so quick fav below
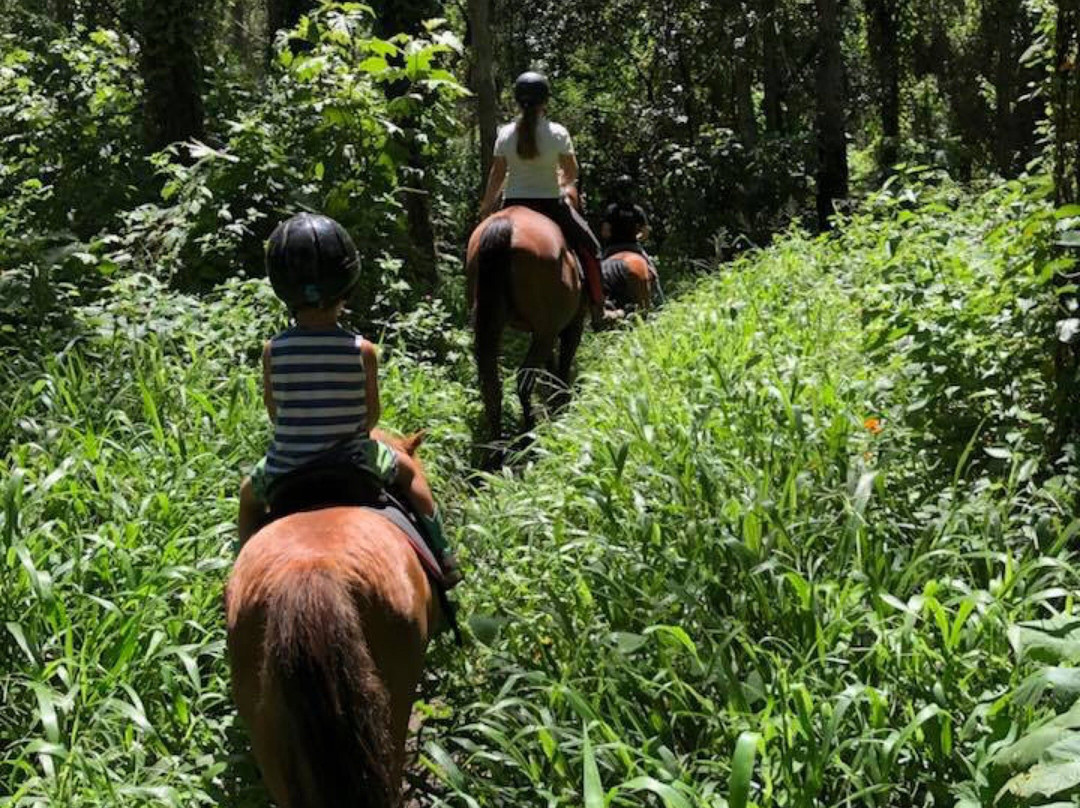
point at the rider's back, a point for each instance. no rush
(535, 178)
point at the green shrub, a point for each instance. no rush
(325, 133)
(69, 150)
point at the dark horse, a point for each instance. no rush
(522, 274)
(629, 283)
(329, 613)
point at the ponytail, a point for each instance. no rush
(526, 132)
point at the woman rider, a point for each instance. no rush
(535, 158)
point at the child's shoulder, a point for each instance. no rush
(307, 340)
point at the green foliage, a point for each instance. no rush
(68, 140)
(747, 569)
(324, 134)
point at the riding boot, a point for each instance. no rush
(436, 539)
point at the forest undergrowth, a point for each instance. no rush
(799, 541)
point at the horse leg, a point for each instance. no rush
(538, 357)
(486, 350)
(569, 340)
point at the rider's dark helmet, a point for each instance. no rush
(623, 189)
(532, 89)
(311, 261)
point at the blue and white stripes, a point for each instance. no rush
(319, 390)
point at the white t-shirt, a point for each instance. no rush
(537, 178)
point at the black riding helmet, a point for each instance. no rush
(532, 89)
(311, 261)
(623, 189)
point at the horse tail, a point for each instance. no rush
(492, 300)
(330, 706)
(612, 271)
(492, 276)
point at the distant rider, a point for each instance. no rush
(320, 381)
(625, 225)
(535, 159)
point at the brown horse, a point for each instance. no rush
(522, 274)
(329, 614)
(628, 281)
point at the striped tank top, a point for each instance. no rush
(319, 390)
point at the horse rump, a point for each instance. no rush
(332, 709)
(627, 286)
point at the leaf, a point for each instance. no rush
(1046, 643)
(1070, 238)
(594, 791)
(382, 47)
(742, 769)
(450, 40)
(679, 635)
(1046, 779)
(1033, 54)
(486, 627)
(627, 643)
(47, 712)
(445, 764)
(20, 638)
(1067, 330)
(373, 64)
(671, 797)
(1028, 749)
(863, 490)
(1060, 682)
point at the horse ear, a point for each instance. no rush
(412, 443)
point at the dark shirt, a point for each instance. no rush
(626, 222)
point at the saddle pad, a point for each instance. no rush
(337, 485)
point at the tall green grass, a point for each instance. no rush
(124, 451)
(797, 542)
(787, 547)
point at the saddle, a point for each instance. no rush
(338, 484)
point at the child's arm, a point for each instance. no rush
(268, 384)
(370, 355)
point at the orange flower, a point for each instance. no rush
(873, 425)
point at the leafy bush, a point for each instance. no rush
(68, 146)
(327, 133)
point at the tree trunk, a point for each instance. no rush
(1067, 103)
(173, 108)
(238, 29)
(883, 23)
(957, 67)
(772, 50)
(483, 77)
(832, 173)
(1004, 15)
(744, 98)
